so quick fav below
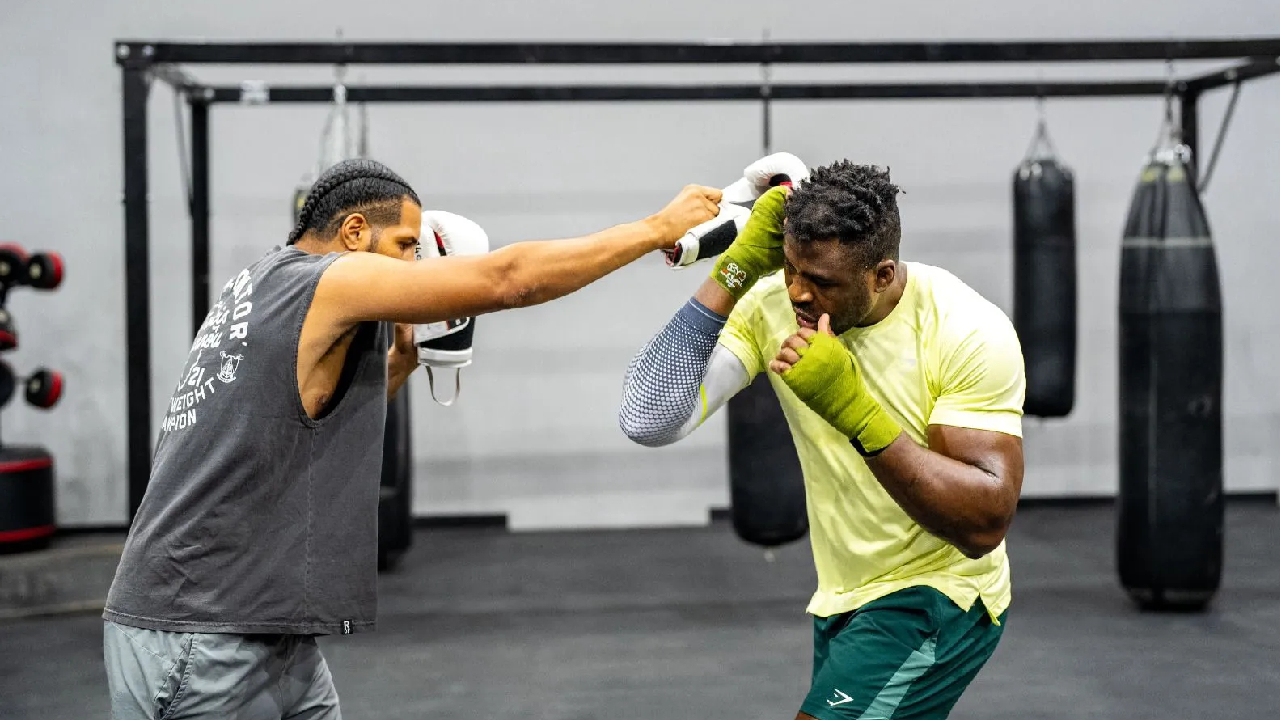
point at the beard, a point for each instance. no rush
(851, 315)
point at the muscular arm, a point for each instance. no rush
(368, 286)
(963, 488)
(365, 286)
(715, 298)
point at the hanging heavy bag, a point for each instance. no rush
(766, 486)
(1169, 538)
(1044, 279)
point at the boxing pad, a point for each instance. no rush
(447, 344)
(716, 235)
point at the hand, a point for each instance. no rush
(826, 377)
(716, 235)
(710, 238)
(796, 346)
(757, 251)
(694, 205)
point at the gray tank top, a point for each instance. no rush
(257, 518)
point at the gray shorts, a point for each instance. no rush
(160, 675)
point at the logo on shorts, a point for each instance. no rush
(841, 698)
(734, 276)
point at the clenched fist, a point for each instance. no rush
(757, 251)
(827, 378)
(694, 205)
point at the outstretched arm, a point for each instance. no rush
(360, 287)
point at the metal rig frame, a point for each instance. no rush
(142, 60)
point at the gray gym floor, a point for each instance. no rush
(692, 623)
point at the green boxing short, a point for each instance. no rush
(907, 656)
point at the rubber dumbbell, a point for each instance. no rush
(43, 388)
(44, 270)
(8, 333)
(7, 383)
(13, 265)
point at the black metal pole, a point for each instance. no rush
(137, 273)
(714, 92)
(199, 211)
(697, 53)
(766, 92)
(1189, 101)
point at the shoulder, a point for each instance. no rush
(291, 257)
(289, 261)
(311, 274)
(966, 334)
(954, 307)
(284, 277)
(974, 360)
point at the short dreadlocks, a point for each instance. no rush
(855, 204)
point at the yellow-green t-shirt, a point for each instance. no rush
(944, 356)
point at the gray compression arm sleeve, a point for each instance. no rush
(679, 378)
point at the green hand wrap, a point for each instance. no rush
(757, 251)
(828, 380)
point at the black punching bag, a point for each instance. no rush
(1169, 539)
(766, 487)
(1044, 278)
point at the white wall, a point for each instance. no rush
(535, 434)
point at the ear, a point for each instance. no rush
(886, 272)
(355, 232)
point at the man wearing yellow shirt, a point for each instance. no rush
(903, 390)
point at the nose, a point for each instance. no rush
(799, 291)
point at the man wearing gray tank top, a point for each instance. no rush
(258, 529)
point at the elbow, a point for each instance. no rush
(988, 523)
(976, 548)
(513, 285)
(516, 294)
(641, 431)
(640, 435)
(984, 539)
